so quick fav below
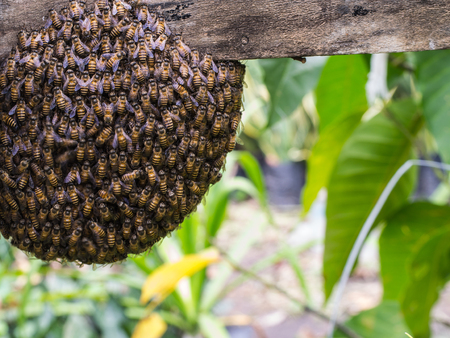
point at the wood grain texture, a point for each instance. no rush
(249, 29)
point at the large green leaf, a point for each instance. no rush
(400, 238)
(430, 270)
(288, 81)
(385, 320)
(341, 88)
(433, 72)
(324, 156)
(368, 160)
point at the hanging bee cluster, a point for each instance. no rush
(112, 130)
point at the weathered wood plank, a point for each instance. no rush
(248, 29)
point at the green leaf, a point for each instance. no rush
(367, 162)
(433, 72)
(324, 156)
(288, 81)
(385, 320)
(78, 327)
(341, 89)
(211, 327)
(400, 239)
(430, 270)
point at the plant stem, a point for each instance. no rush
(344, 329)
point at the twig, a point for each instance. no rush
(344, 329)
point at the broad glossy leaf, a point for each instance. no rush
(165, 278)
(288, 81)
(433, 72)
(324, 156)
(430, 269)
(367, 162)
(152, 326)
(400, 239)
(341, 88)
(385, 320)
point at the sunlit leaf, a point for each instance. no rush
(400, 238)
(367, 162)
(165, 279)
(211, 327)
(341, 88)
(430, 270)
(288, 81)
(432, 80)
(385, 320)
(152, 326)
(324, 156)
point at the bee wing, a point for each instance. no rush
(194, 102)
(115, 141)
(53, 104)
(100, 86)
(129, 107)
(124, 4)
(101, 65)
(31, 182)
(15, 149)
(87, 24)
(73, 112)
(136, 52)
(168, 32)
(114, 9)
(214, 67)
(81, 83)
(97, 10)
(116, 65)
(161, 45)
(203, 77)
(65, 85)
(68, 178)
(48, 23)
(66, 61)
(175, 117)
(13, 110)
(25, 59)
(211, 98)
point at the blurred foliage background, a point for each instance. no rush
(354, 134)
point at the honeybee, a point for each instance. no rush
(21, 110)
(123, 166)
(183, 146)
(67, 218)
(66, 31)
(75, 237)
(162, 182)
(134, 175)
(171, 159)
(34, 40)
(89, 246)
(126, 210)
(119, 8)
(208, 64)
(91, 150)
(114, 61)
(51, 253)
(182, 48)
(24, 179)
(121, 139)
(106, 84)
(6, 179)
(154, 202)
(160, 43)
(91, 23)
(54, 18)
(88, 205)
(106, 16)
(160, 212)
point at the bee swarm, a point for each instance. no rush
(112, 130)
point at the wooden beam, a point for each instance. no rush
(249, 29)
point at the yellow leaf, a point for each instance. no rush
(165, 278)
(152, 326)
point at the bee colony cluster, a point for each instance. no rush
(112, 130)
